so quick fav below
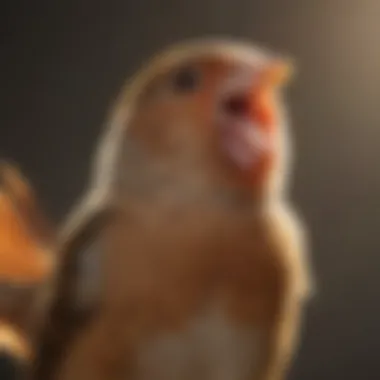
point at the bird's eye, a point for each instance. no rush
(186, 79)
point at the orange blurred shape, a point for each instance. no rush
(24, 236)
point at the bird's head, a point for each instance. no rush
(213, 107)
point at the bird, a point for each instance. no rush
(26, 260)
(194, 261)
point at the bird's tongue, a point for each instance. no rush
(245, 143)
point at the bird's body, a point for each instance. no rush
(202, 271)
(198, 296)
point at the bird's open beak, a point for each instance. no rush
(248, 112)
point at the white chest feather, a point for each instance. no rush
(210, 349)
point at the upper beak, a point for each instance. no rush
(277, 74)
(274, 76)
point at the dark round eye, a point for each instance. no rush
(186, 79)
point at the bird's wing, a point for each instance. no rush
(73, 296)
(291, 245)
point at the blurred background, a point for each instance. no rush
(63, 62)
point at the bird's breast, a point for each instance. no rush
(196, 291)
(211, 347)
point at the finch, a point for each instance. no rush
(186, 240)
